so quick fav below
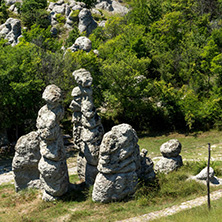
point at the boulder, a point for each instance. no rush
(203, 174)
(86, 22)
(25, 162)
(168, 164)
(171, 148)
(81, 43)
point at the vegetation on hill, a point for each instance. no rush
(159, 67)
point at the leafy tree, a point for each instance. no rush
(33, 12)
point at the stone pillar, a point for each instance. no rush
(87, 128)
(119, 160)
(52, 165)
(171, 159)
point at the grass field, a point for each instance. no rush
(166, 191)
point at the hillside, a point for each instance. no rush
(156, 64)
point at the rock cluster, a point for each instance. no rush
(171, 159)
(72, 12)
(81, 43)
(25, 162)
(52, 165)
(112, 6)
(118, 164)
(11, 30)
(145, 172)
(87, 128)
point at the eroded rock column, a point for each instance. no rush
(171, 159)
(52, 165)
(87, 128)
(119, 161)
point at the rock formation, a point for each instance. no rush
(81, 43)
(25, 162)
(87, 128)
(171, 159)
(52, 165)
(145, 172)
(118, 164)
(112, 6)
(11, 30)
(86, 22)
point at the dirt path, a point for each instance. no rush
(8, 177)
(175, 209)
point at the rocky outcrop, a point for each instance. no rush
(81, 43)
(87, 128)
(118, 164)
(52, 165)
(11, 30)
(112, 6)
(25, 162)
(171, 159)
(86, 22)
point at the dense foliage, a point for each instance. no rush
(159, 68)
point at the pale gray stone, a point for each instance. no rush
(52, 94)
(59, 9)
(172, 148)
(52, 166)
(81, 43)
(118, 164)
(86, 22)
(11, 30)
(203, 174)
(168, 164)
(113, 187)
(118, 8)
(104, 5)
(25, 162)
(145, 171)
(83, 77)
(87, 128)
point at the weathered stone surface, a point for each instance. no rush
(118, 164)
(81, 43)
(112, 6)
(83, 77)
(25, 162)
(172, 148)
(52, 166)
(145, 171)
(168, 164)
(86, 22)
(52, 94)
(11, 30)
(113, 187)
(87, 128)
(203, 174)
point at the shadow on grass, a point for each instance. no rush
(77, 192)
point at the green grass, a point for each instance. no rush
(166, 191)
(197, 214)
(194, 146)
